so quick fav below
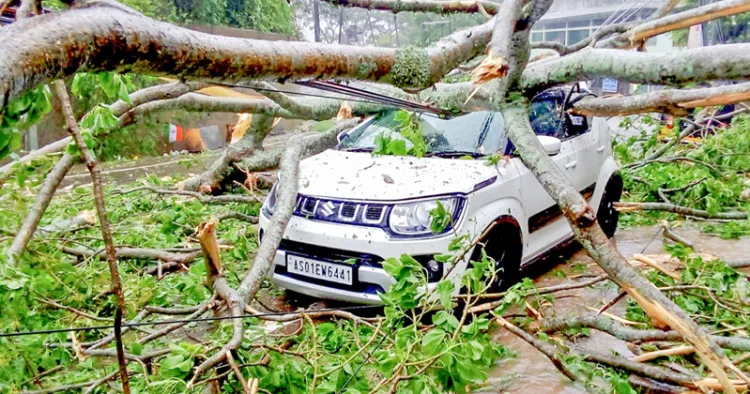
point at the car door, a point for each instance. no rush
(590, 150)
(540, 208)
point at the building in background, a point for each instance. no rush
(571, 21)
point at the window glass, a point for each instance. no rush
(479, 133)
(575, 36)
(583, 23)
(555, 25)
(558, 36)
(545, 116)
(537, 36)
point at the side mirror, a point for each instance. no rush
(342, 136)
(551, 145)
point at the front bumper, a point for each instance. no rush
(336, 243)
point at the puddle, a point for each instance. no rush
(530, 371)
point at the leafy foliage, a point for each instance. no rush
(409, 128)
(21, 113)
(695, 183)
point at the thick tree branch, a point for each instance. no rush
(662, 311)
(629, 334)
(99, 39)
(235, 303)
(687, 211)
(41, 202)
(434, 6)
(285, 202)
(677, 21)
(672, 101)
(720, 62)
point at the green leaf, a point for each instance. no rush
(445, 291)
(122, 93)
(136, 348)
(397, 148)
(432, 341)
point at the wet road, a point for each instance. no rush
(530, 371)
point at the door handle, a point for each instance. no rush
(571, 165)
(600, 149)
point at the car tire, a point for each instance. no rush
(503, 244)
(607, 215)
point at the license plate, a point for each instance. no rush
(319, 269)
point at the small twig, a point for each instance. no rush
(612, 302)
(43, 374)
(101, 210)
(71, 309)
(675, 351)
(668, 233)
(546, 290)
(653, 264)
(545, 348)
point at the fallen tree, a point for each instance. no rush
(112, 38)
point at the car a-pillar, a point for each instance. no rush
(504, 244)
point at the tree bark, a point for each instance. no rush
(677, 102)
(721, 62)
(57, 146)
(663, 312)
(57, 45)
(285, 201)
(72, 127)
(687, 211)
(433, 6)
(41, 202)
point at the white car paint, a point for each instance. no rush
(361, 177)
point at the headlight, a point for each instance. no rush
(414, 218)
(270, 204)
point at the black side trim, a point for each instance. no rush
(547, 215)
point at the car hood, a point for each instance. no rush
(362, 176)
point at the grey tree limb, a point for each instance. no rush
(57, 146)
(680, 210)
(285, 201)
(662, 311)
(673, 101)
(41, 202)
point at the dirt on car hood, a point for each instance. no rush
(362, 176)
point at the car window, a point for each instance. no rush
(545, 116)
(477, 133)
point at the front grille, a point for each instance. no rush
(374, 213)
(308, 206)
(350, 212)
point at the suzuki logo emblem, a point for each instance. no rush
(328, 208)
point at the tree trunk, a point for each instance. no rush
(663, 312)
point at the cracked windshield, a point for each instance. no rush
(374, 196)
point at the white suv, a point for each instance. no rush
(356, 209)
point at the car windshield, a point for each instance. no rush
(475, 134)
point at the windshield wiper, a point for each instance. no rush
(357, 150)
(455, 153)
